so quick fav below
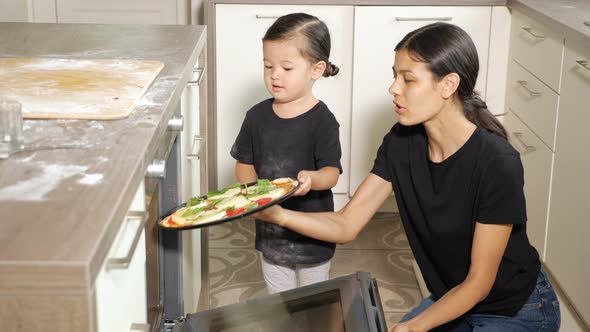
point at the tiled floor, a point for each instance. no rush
(381, 249)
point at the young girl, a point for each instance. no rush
(292, 135)
(459, 188)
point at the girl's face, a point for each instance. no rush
(288, 75)
(417, 96)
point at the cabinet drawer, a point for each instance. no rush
(537, 48)
(536, 161)
(533, 102)
(121, 283)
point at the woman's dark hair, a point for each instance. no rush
(446, 49)
(312, 29)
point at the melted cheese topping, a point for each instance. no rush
(229, 193)
(210, 215)
(274, 194)
(235, 201)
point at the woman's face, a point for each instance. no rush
(287, 74)
(417, 96)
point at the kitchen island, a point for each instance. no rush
(63, 200)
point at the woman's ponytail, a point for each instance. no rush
(476, 111)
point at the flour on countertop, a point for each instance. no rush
(90, 179)
(36, 188)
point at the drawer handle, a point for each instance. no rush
(420, 19)
(193, 156)
(139, 327)
(197, 82)
(583, 63)
(527, 148)
(530, 32)
(264, 17)
(531, 92)
(123, 262)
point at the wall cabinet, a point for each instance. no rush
(568, 230)
(377, 32)
(239, 74)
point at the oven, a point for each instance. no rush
(163, 248)
(177, 172)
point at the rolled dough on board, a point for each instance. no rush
(76, 88)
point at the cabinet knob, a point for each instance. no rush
(176, 123)
(157, 169)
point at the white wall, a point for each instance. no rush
(14, 11)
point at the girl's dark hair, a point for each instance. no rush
(312, 29)
(446, 49)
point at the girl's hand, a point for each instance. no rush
(304, 179)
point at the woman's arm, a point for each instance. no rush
(245, 173)
(489, 244)
(323, 179)
(337, 227)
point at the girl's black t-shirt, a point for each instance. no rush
(279, 148)
(440, 203)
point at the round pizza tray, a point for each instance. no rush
(226, 219)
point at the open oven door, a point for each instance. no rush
(347, 303)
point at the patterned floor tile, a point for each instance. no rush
(234, 276)
(396, 280)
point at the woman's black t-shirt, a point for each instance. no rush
(279, 148)
(440, 203)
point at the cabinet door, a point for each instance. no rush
(117, 12)
(377, 32)
(569, 230)
(240, 82)
(536, 160)
(120, 286)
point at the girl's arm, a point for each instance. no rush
(245, 173)
(336, 227)
(323, 179)
(489, 244)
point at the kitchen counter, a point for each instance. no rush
(61, 208)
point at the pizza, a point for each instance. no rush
(229, 202)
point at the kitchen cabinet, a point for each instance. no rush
(108, 11)
(239, 74)
(120, 288)
(372, 108)
(536, 160)
(193, 151)
(568, 230)
(532, 99)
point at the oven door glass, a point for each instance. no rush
(349, 303)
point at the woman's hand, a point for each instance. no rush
(271, 214)
(403, 327)
(304, 178)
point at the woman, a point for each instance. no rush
(459, 188)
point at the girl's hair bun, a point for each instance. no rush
(331, 70)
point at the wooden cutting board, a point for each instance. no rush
(76, 88)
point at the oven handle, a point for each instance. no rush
(123, 262)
